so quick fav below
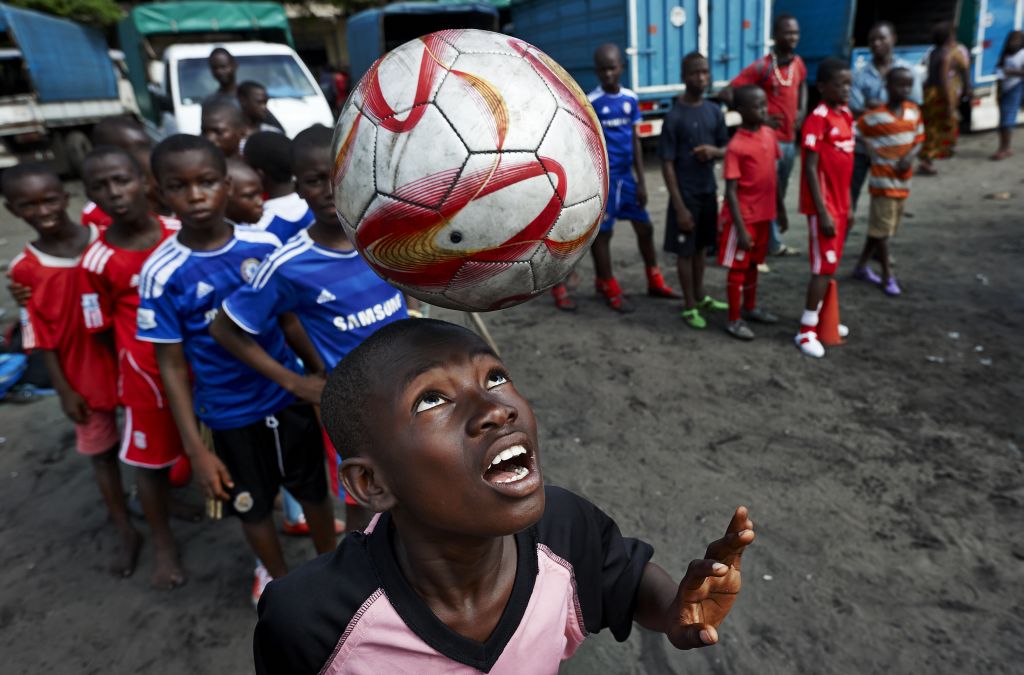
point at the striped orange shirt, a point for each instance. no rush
(889, 137)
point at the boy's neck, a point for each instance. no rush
(882, 62)
(67, 240)
(782, 55)
(750, 126)
(893, 106)
(276, 190)
(612, 88)
(138, 234)
(691, 98)
(206, 237)
(330, 235)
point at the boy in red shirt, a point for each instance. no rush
(81, 367)
(783, 77)
(825, 192)
(112, 264)
(126, 133)
(752, 202)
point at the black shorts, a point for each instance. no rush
(285, 448)
(704, 210)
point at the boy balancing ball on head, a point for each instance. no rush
(752, 201)
(473, 564)
(262, 438)
(825, 192)
(618, 109)
(893, 133)
(81, 367)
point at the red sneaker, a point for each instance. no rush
(563, 300)
(657, 288)
(612, 293)
(301, 528)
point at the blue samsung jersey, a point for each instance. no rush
(180, 291)
(283, 217)
(335, 294)
(618, 114)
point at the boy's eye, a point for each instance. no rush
(429, 400)
(495, 379)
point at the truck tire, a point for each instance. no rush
(76, 146)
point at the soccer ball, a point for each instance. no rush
(470, 170)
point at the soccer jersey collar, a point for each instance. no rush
(323, 250)
(425, 624)
(47, 260)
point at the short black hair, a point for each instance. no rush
(316, 137)
(10, 178)
(743, 94)
(179, 143)
(271, 153)
(108, 130)
(345, 406)
(101, 151)
(220, 51)
(898, 70)
(941, 33)
(691, 57)
(609, 48)
(248, 88)
(227, 107)
(883, 24)
(829, 68)
(781, 19)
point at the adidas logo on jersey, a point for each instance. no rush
(325, 296)
(203, 289)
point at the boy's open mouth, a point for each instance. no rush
(509, 466)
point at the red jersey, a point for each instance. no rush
(112, 278)
(782, 87)
(92, 214)
(828, 132)
(750, 159)
(52, 320)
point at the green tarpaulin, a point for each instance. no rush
(162, 18)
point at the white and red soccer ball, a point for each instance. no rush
(470, 170)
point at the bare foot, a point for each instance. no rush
(168, 573)
(123, 564)
(1002, 154)
(182, 510)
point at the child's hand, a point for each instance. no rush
(709, 589)
(782, 221)
(309, 388)
(20, 293)
(684, 221)
(211, 475)
(827, 227)
(743, 239)
(705, 153)
(74, 406)
(641, 195)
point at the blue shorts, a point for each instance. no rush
(622, 202)
(1009, 105)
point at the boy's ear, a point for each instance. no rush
(366, 485)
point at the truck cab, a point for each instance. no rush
(295, 98)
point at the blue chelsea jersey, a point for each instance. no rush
(618, 114)
(337, 297)
(180, 292)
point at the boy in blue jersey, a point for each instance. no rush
(261, 439)
(320, 277)
(284, 212)
(618, 109)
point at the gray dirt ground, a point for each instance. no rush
(887, 489)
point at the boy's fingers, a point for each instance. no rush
(695, 636)
(730, 548)
(740, 520)
(698, 571)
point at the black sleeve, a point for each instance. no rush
(607, 566)
(303, 615)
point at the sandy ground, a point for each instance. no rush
(886, 484)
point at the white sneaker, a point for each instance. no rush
(843, 330)
(808, 344)
(261, 577)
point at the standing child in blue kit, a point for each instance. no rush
(618, 109)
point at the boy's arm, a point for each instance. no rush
(297, 338)
(801, 108)
(733, 201)
(212, 476)
(828, 228)
(689, 613)
(684, 219)
(71, 402)
(781, 217)
(233, 338)
(638, 169)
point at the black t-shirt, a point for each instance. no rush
(353, 611)
(684, 128)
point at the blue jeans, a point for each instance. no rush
(784, 167)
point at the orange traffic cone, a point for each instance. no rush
(828, 320)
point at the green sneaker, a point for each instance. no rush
(693, 319)
(708, 304)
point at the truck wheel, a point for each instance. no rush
(76, 146)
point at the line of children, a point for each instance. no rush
(893, 133)
(473, 564)
(111, 265)
(262, 437)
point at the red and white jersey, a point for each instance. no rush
(92, 214)
(829, 132)
(51, 320)
(112, 279)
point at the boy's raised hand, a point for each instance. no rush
(709, 588)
